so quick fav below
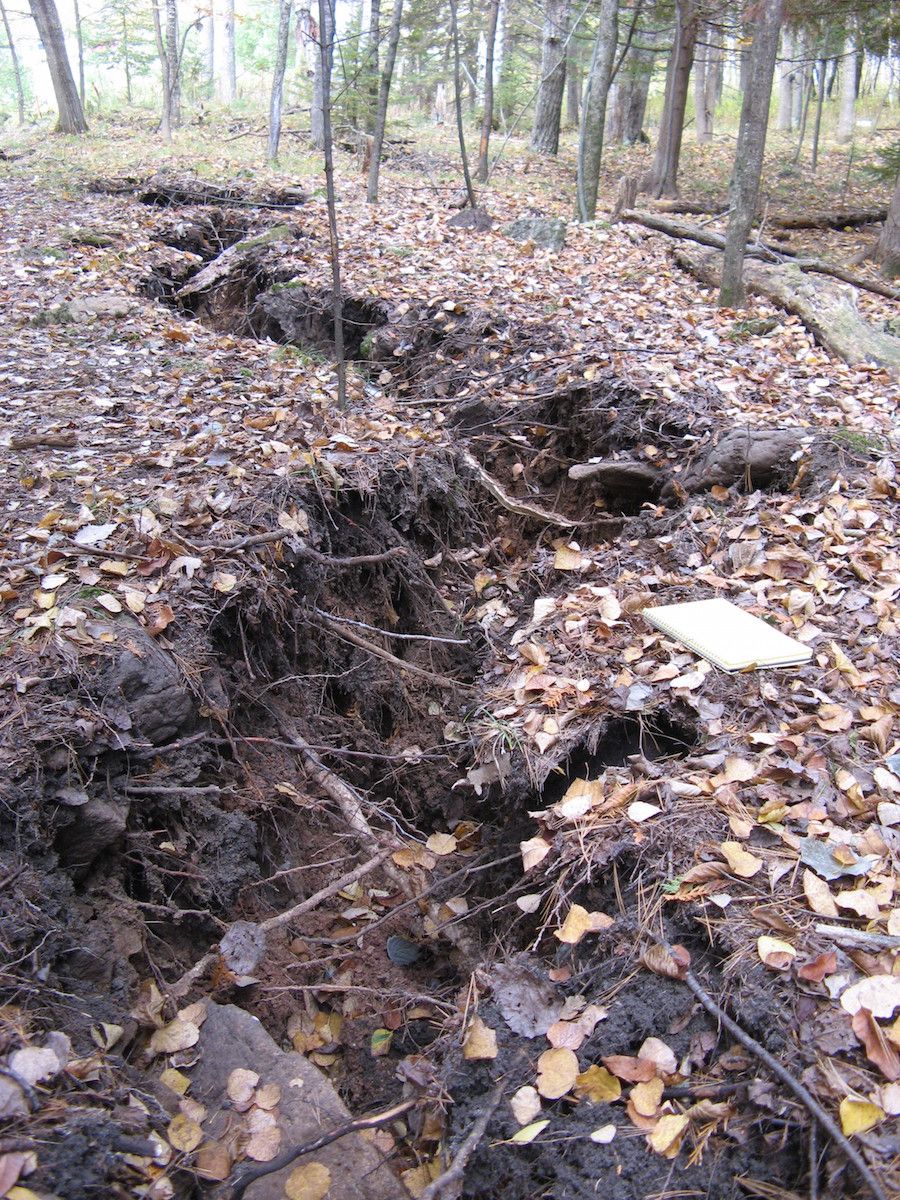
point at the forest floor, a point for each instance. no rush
(352, 720)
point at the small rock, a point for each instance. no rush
(547, 232)
(634, 481)
(12, 1099)
(89, 308)
(475, 219)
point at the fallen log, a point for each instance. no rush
(760, 250)
(839, 219)
(828, 310)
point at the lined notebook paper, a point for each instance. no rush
(728, 636)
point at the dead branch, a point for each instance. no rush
(349, 635)
(278, 535)
(404, 637)
(802, 1093)
(181, 986)
(828, 310)
(859, 938)
(832, 220)
(520, 507)
(284, 1160)
(454, 1173)
(61, 441)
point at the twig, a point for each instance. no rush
(174, 790)
(348, 635)
(28, 441)
(802, 1093)
(167, 747)
(454, 1173)
(278, 535)
(182, 985)
(404, 637)
(859, 937)
(289, 1156)
(521, 507)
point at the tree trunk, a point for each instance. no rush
(487, 119)
(706, 65)
(326, 53)
(79, 41)
(887, 248)
(321, 85)
(275, 100)
(817, 127)
(126, 57)
(751, 145)
(573, 89)
(229, 79)
(847, 115)
(662, 179)
(629, 97)
(209, 65)
(384, 92)
(71, 111)
(786, 83)
(174, 57)
(547, 112)
(457, 98)
(17, 70)
(373, 65)
(593, 116)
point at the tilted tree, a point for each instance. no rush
(751, 144)
(593, 113)
(277, 93)
(487, 119)
(662, 178)
(68, 102)
(547, 113)
(16, 66)
(384, 93)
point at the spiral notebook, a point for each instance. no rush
(727, 636)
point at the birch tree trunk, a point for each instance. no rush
(209, 64)
(276, 98)
(593, 115)
(384, 93)
(662, 178)
(487, 119)
(847, 115)
(17, 70)
(751, 145)
(820, 105)
(68, 102)
(548, 110)
(786, 83)
(229, 76)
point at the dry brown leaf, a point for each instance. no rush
(213, 1161)
(241, 1085)
(310, 1181)
(264, 1144)
(632, 1070)
(481, 1041)
(647, 1097)
(657, 1052)
(673, 962)
(441, 844)
(878, 1049)
(880, 994)
(525, 1104)
(534, 851)
(177, 1035)
(775, 953)
(817, 968)
(834, 718)
(742, 863)
(267, 1096)
(557, 1072)
(184, 1134)
(818, 895)
(738, 770)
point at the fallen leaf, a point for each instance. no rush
(175, 1081)
(640, 811)
(380, 1042)
(859, 1116)
(578, 922)
(834, 718)
(530, 903)
(557, 1072)
(35, 1064)
(673, 962)
(647, 1097)
(878, 1050)
(816, 969)
(657, 1052)
(604, 1135)
(666, 1138)
(310, 1181)
(597, 1085)
(880, 994)
(441, 843)
(523, 1136)
(534, 851)
(241, 1085)
(739, 770)
(743, 864)
(177, 1035)
(525, 1104)
(775, 953)
(184, 1134)
(632, 1070)
(213, 1161)
(264, 1144)
(818, 895)
(481, 1041)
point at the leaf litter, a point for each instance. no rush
(652, 783)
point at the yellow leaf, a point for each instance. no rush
(834, 718)
(557, 1072)
(597, 1086)
(738, 770)
(175, 1081)
(578, 922)
(776, 954)
(310, 1181)
(481, 1041)
(441, 843)
(858, 1116)
(414, 855)
(744, 864)
(818, 895)
(567, 559)
(529, 1132)
(534, 851)
(666, 1137)
(224, 581)
(184, 1134)
(647, 1097)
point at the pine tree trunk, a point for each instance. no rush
(548, 110)
(593, 116)
(457, 99)
(275, 100)
(326, 53)
(662, 178)
(68, 102)
(702, 114)
(229, 78)
(17, 70)
(847, 115)
(321, 85)
(751, 145)
(573, 89)
(887, 248)
(487, 119)
(384, 93)
(628, 97)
